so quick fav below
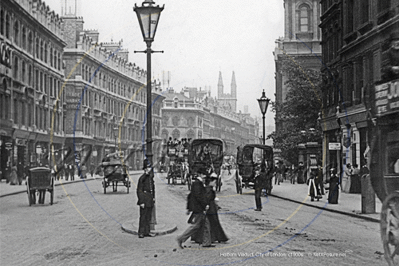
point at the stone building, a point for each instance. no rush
(31, 78)
(105, 97)
(355, 42)
(301, 42)
(193, 113)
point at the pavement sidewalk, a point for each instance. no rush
(348, 203)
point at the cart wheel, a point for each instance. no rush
(390, 228)
(127, 185)
(52, 191)
(238, 184)
(105, 186)
(219, 183)
(28, 191)
(183, 177)
(189, 181)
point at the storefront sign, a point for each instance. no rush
(334, 146)
(387, 97)
(20, 142)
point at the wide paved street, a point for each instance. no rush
(83, 227)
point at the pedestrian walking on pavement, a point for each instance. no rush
(14, 176)
(300, 176)
(312, 188)
(355, 180)
(146, 200)
(333, 191)
(197, 204)
(346, 180)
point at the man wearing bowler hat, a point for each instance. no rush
(145, 195)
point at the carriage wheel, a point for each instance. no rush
(183, 177)
(390, 228)
(219, 183)
(127, 183)
(52, 191)
(105, 186)
(28, 190)
(189, 182)
(238, 184)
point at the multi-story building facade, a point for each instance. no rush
(31, 76)
(193, 114)
(301, 42)
(105, 97)
(356, 37)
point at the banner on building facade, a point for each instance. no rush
(387, 97)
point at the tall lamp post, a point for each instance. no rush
(263, 103)
(148, 15)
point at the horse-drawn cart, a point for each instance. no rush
(178, 166)
(206, 155)
(114, 172)
(384, 165)
(247, 158)
(40, 180)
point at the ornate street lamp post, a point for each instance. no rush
(263, 103)
(148, 15)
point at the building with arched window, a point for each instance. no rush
(31, 116)
(301, 41)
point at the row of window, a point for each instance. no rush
(113, 85)
(357, 77)
(45, 83)
(23, 113)
(23, 37)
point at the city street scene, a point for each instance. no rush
(199, 133)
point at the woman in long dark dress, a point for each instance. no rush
(333, 192)
(212, 230)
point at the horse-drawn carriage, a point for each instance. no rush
(206, 155)
(384, 164)
(250, 156)
(40, 180)
(178, 164)
(114, 172)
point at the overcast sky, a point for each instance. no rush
(199, 39)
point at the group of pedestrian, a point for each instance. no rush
(351, 180)
(205, 227)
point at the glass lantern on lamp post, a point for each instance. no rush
(263, 103)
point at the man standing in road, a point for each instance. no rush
(197, 203)
(145, 195)
(258, 186)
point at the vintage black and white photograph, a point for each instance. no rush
(199, 132)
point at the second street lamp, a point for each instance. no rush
(148, 15)
(263, 103)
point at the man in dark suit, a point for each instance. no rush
(259, 184)
(197, 204)
(146, 200)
